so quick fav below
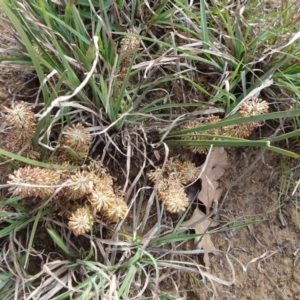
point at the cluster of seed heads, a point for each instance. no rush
(171, 182)
(80, 194)
(252, 107)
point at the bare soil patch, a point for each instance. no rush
(265, 256)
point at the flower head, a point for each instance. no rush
(240, 131)
(170, 185)
(27, 182)
(172, 165)
(130, 43)
(81, 221)
(116, 211)
(101, 199)
(83, 185)
(188, 172)
(253, 107)
(174, 198)
(198, 135)
(20, 116)
(22, 124)
(78, 139)
(155, 175)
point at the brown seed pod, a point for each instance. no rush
(175, 198)
(81, 221)
(26, 182)
(116, 211)
(77, 139)
(253, 107)
(83, 185)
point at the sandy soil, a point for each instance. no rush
(265, 256)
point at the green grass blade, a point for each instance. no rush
(33, 55)
(236, 121)
(32, 162)
(32, 235)
(126, 281)
(58, 241)
(205, 33)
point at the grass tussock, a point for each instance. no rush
(119, 83)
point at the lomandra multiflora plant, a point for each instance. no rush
(172, 178)
(82, 194)
(79, 194)
(252, 107)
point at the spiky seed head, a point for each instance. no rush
(212, 119)
(175, 198)
(103, 180)
(240, 131)
(175, 171)
(175, 177)
(15, 143)
(81, 221)
(253, 107)
(95, 166)
(22, 126)
(155, 175)
(77, 138)
(130, 43)
(177, 204)
(103, 192)
(172, 165)
(116, 211)
(162, 186)
(100, 200)
(83, 185)
(188, 172)
(20, 116)
(35, 177)
(197, 136)
(190, 125)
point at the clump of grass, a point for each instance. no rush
(252, 107)
(98, 70)
(78, 194)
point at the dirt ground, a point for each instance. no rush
(265, 256)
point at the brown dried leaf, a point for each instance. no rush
(200, 223)
(214, 169)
